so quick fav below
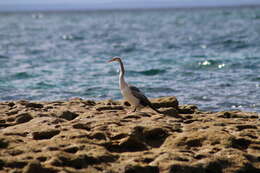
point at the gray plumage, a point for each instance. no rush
(144, 101)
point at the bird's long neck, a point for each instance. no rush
(122, 82)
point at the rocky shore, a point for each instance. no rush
(99, 136)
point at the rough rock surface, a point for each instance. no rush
(87, 136)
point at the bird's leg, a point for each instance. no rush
(129, 112)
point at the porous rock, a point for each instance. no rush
(87, 136)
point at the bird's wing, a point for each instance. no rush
(138, 94)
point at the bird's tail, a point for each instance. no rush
(156, 110)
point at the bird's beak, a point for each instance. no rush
(110, 61)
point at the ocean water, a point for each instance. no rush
(207, 57)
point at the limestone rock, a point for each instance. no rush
(80, 136)
(165, 102)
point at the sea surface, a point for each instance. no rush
(208, 57)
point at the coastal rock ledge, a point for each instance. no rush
(100, 136)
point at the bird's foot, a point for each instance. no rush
(130, 112)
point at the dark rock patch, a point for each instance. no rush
(72, 149)
(154, 137)
(242, 127)
(11, 104)
(129, 144)
(48, 134)
(23, 134)
(131, 117)
(196, 141)
(98, 136)
(15, 164)
(103, 108)
(81, 126)
(187, 109)
(239, 143)
(12, 112)
(36, 167)
(68, 115)
(82, 161)
(33, 105)
(141, 169)
(125, 103)
(231, 114)
(15, 152)
(4, 125)
(42, 158)
(178, 168)
(3, 143)
(118, 136)
(215, 166)
(88, 102)
(2, 164)
(23, 118)
(248, 168)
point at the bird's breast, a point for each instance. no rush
(128, 96)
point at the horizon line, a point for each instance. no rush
(54, 8)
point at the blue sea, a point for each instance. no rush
(208, 57)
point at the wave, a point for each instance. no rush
(151, 72)
(22, 75)
(71, 37)
(4, 57)
(208, 64)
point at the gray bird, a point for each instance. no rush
(131, 93)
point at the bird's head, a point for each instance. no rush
(115, 59)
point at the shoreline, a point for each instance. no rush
(99, 136)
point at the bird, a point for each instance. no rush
(132, 94)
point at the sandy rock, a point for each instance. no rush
(165, 102)
(188, 109)
(79, 136)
